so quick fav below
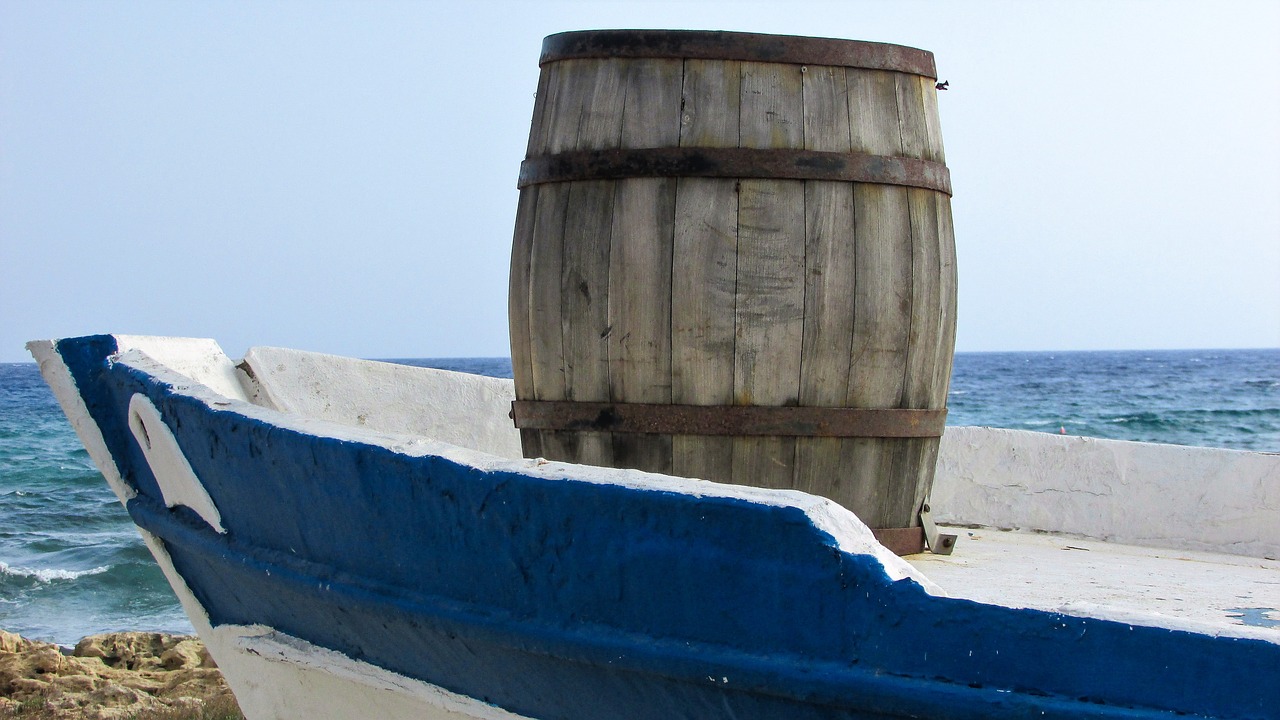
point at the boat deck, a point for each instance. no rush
(1201, 591)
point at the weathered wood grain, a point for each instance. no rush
(912, 467)
(560, 117)
(926, 300)
(829, 242)
(543, 105)
(711, 102)
(601, 105)
(932, 121)
(651, 113)
(546, 342)
(567, 87)
(582, 110)
(704, 277)
(639, 332)
(584, 290)
(711, 291)
(906, 485)
(946, 303)
(770, 293)
(873, 129)
(522, 287)
(882, 322)
(828, 279)
(946, 334)
(912, 123)
(518, 306)
(873, 108)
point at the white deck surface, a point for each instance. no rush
(1206, 592)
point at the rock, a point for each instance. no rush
(26, 688)
(107, 677)
(116, 695)
(188, 653)
(127, 650)
(76, 684)
(10, 643)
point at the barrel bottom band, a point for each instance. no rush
(901, 541)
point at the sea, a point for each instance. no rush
(72, 564)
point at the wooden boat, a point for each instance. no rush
(356, 539)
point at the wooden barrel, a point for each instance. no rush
(733, 260)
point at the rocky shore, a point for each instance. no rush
(116, 676)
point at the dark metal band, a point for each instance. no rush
(734, 163)
(753, 47)
(741, 420)
(901, 541)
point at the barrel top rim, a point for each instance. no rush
(735, 45)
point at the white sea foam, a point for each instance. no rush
(48, 574)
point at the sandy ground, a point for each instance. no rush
(109, 676)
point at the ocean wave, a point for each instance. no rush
(1150, 419)
(1261, 412)
(48, 575)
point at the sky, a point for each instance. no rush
(340, 176)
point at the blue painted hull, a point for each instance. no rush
(560, 598)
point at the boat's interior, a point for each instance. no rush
(469, 411)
